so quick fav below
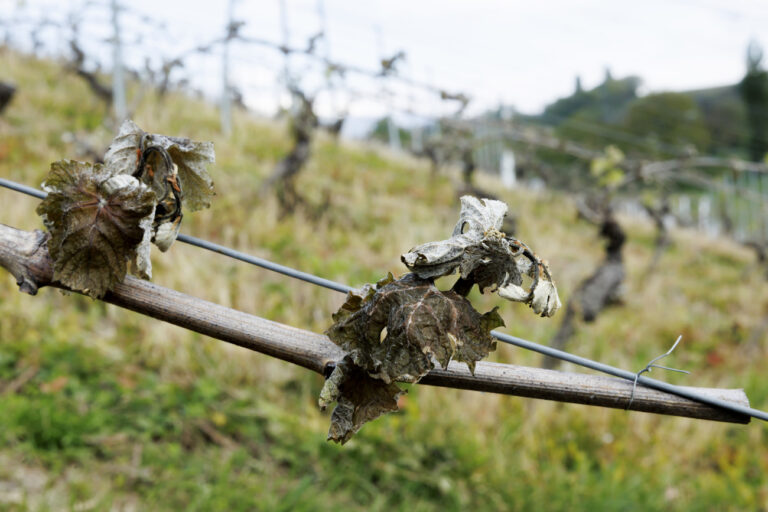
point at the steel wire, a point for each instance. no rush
(503, 337)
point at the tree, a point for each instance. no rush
(668, 119)
(754, 92)
(605, 104)
(725, 117)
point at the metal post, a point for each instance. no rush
(417, 138)
(392, 132)
(226, 93)
(118, 79)
(508, 176)
(394, 135)
(763, 209)
(326, 53)
(286, 41)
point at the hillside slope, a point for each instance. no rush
(102, 408)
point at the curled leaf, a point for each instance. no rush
(486, 256)
(190, 156)
(166, 233)
(514, 293)
(542, 297)
(401, 327)
(545, 300)
(175, 169)
(97, 219)
(474, 241)
(397, 330)
(142, 265)
(123, 154)
(359, 399)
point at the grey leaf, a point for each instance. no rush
(190, 156)
(486, 256)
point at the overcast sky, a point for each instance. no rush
(521, 53)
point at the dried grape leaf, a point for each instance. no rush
(399, 330)
(190, 156)
(359, 399)
(122, 156)
(97, 218)
(175, 169)
(479, 222)
(486, 256)
(542, 297)
(166, 233)
(393, 331)
(141, 266)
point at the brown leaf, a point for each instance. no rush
(396, 331)
(359, 399)
(191, 158)
(97, 221)
(174, 168)
(399, 330)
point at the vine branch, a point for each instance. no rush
(24, 254)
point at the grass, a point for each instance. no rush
(111, 410)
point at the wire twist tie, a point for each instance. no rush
(652, 364)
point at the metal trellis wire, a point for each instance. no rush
(689, 393)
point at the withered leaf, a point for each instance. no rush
(476, 232)
(359, 399)
(175, 169)
(396, 331)
(123, 156)
(97, 219)
(486, 256)
(190, 156)
(141, 266)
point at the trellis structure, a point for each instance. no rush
(24, 255)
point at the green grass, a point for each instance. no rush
(115, 410)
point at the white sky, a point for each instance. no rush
(522, 53)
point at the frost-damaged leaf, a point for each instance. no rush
(142, 265)
(359, 399)
(396, 331)
(479, 223)
(404, 326)
(485, 256)
(123, 153)
(97, 219)
(542, 296)
(174, 168)
(190, 156)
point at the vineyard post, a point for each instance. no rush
(118, 79)
(226, 93)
